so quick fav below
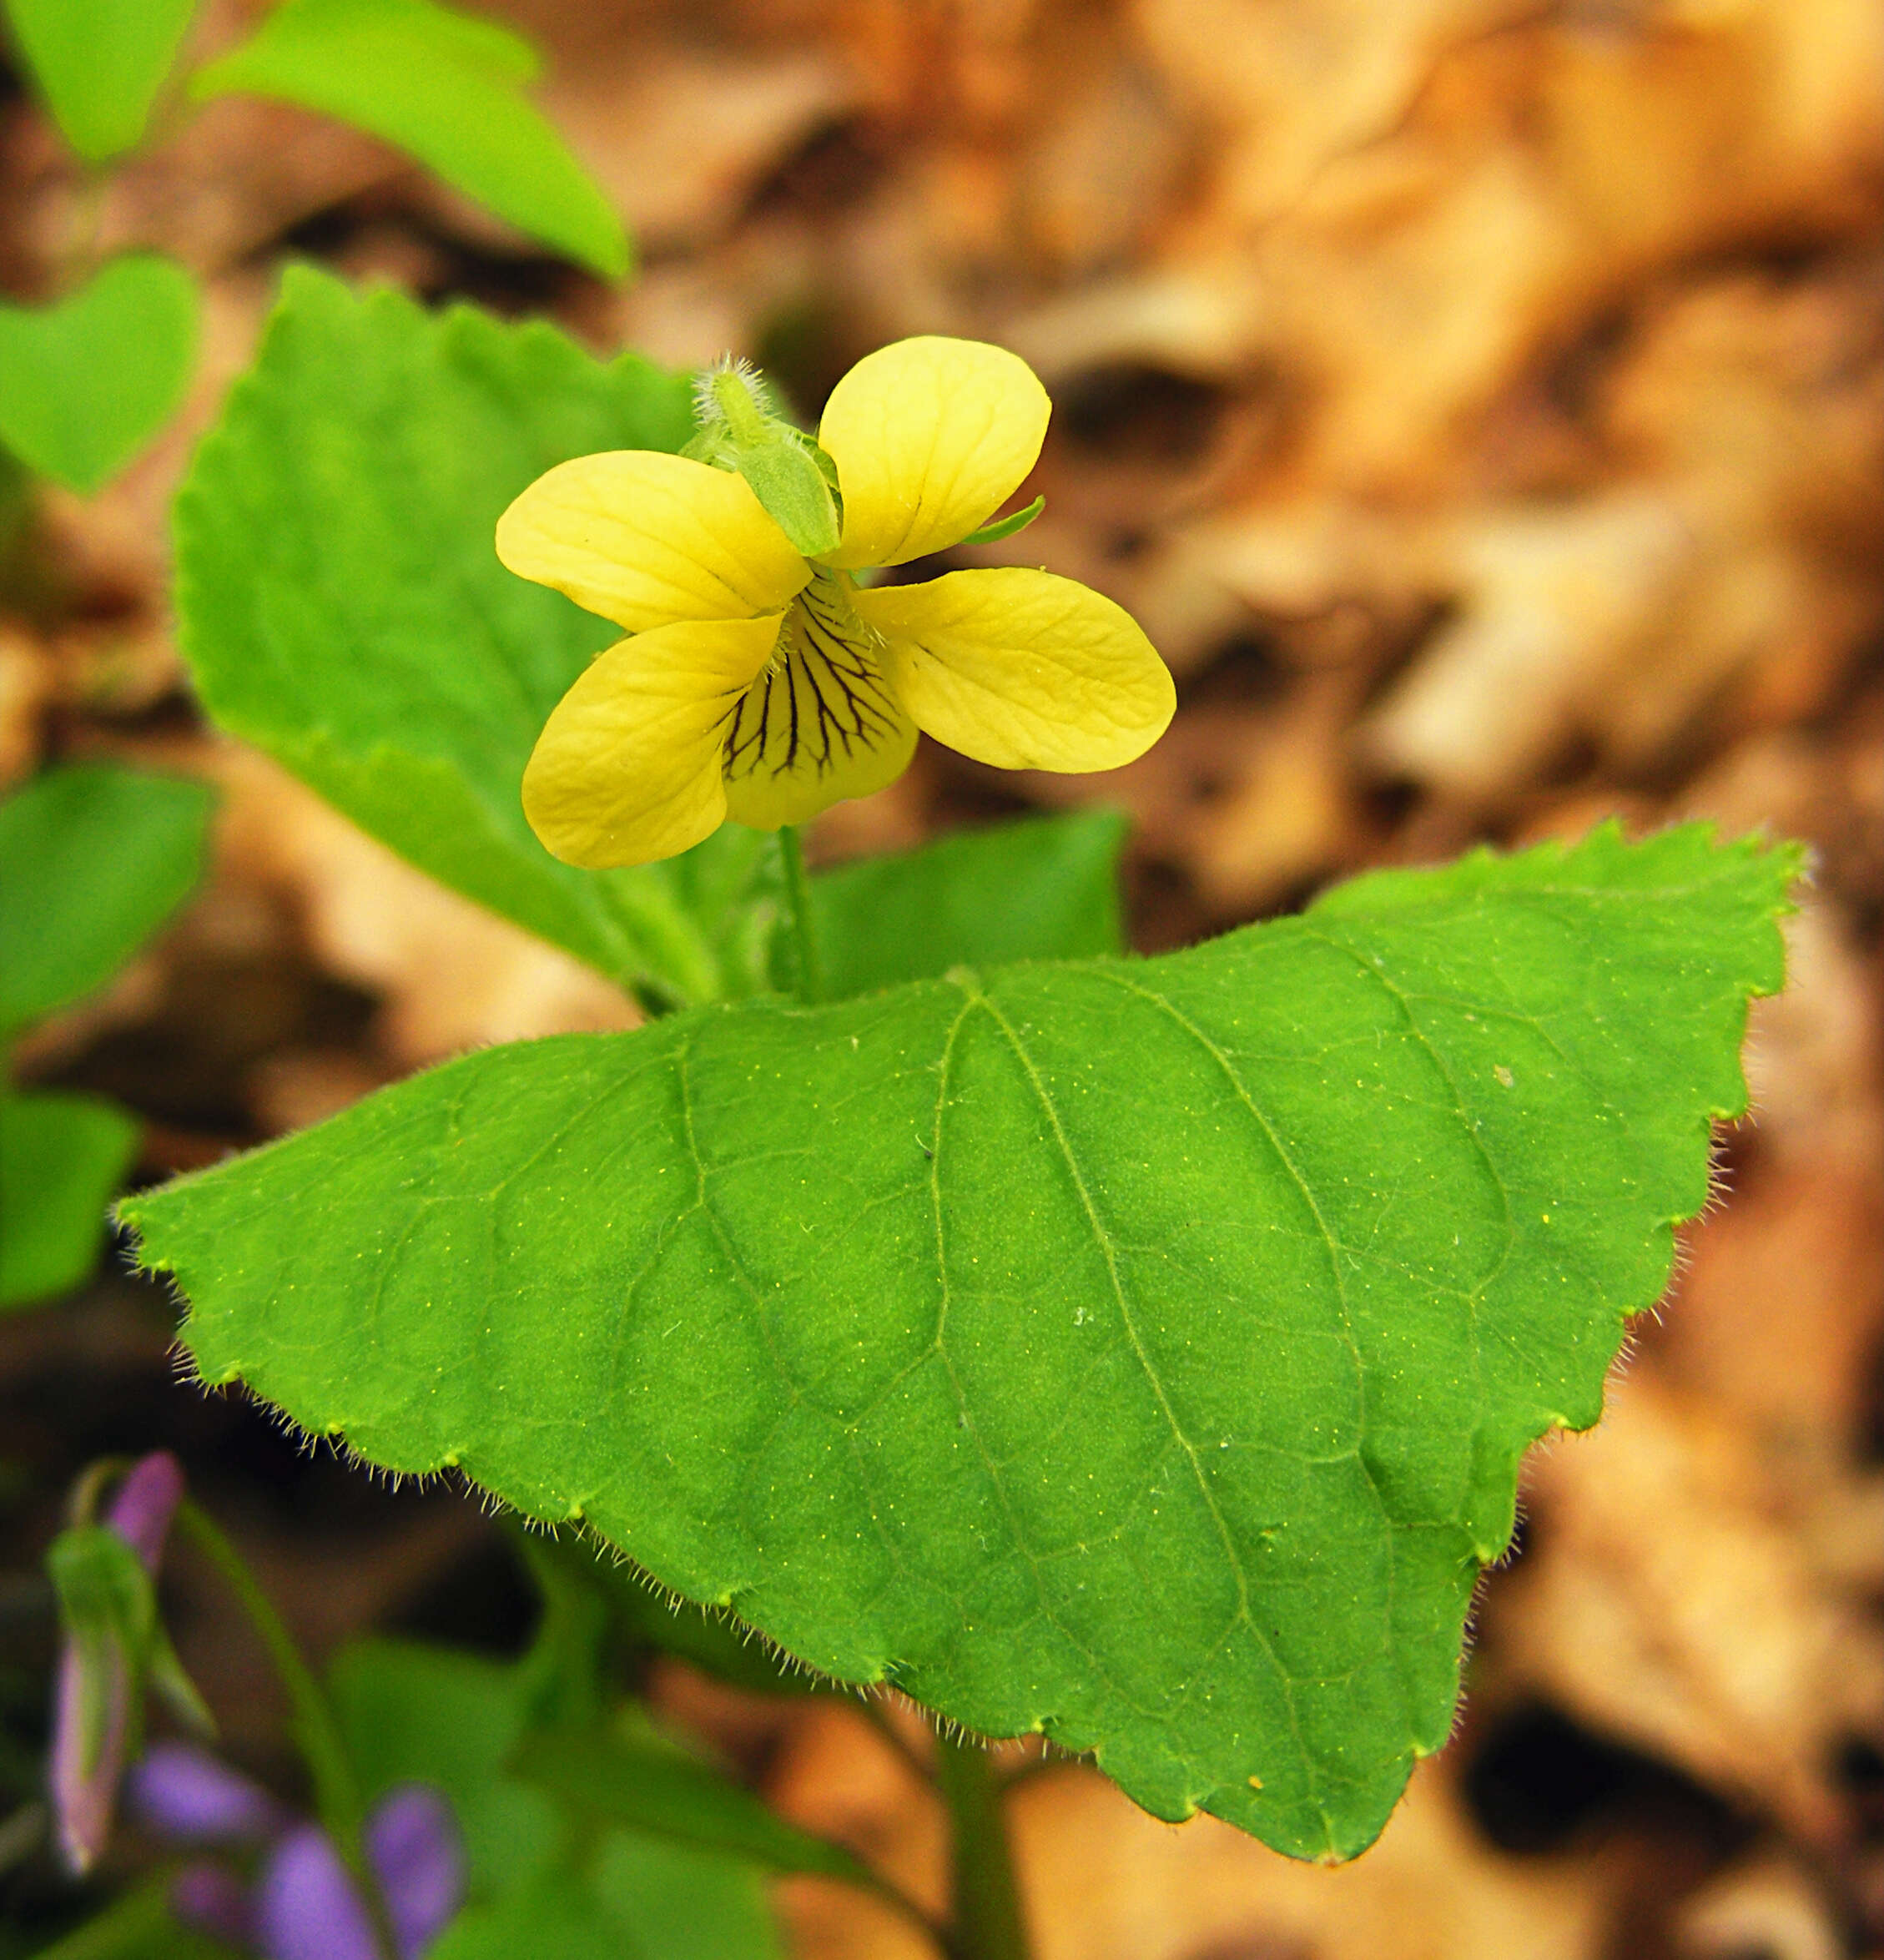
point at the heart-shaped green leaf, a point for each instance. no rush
(84, 385)
(1141, 1352)
(99, 63)
(93, 860)
(62, 1158)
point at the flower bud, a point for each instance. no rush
(743, 427)
(107, 1611)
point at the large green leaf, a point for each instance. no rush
(341, 605)
(443, 85)
(61, 1160)
(540, 1880)
(100, 63)
(85, 384)
(1045, 888)
(93, 860)
(1141, 1352)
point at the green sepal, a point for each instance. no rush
(786, 480)
(1010, 527)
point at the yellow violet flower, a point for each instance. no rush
(761, 684)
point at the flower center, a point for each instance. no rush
(821, 696)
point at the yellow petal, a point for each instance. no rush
(930, 436)
(820, 724)
(645, 539)
(1022, 669)
(627, 768)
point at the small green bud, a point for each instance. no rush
(743, 427)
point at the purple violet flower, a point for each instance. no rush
(307, 1906)
(181, 1791)
(304, 1904)
(413, 1845)
(93, 1710)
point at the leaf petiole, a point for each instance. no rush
(337, 1789)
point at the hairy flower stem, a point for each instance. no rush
(337, 1789)
(798, 907)
(985, 1920)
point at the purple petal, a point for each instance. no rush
(417, 1853)
(141, 1510)
(210, 1898)
(306, 1905)
(180, 1791)
(84, 1790)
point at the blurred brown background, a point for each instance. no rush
(1481, 402)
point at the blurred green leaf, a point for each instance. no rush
(541, 1883)
(1137, 1351)
(85, 384)
(341, 605)
(444, 86)
(135, 1926)
(93, 860)
(99, 63)
(615, 1779)
(1044, 888)
(61, 1161)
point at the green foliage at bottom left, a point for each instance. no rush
(544, 1881)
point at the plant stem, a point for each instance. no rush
(985, 1923)
(798, 904)
(336, 1789)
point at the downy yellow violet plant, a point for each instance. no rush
(760, 681)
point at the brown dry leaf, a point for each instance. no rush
(679, 136)
(1770, 1907)
(1105, 1881)
(1668, 1598)
(1292, 85)
(27, 686)
(1737, 582)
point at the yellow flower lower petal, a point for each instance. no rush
(1022, 669)
(627, 768)
(645, 539)
(820, 724)
(930, 436)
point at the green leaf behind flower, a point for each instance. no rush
(1044, 887)
(447, 87)
(1137, 1350)
(341, 605)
